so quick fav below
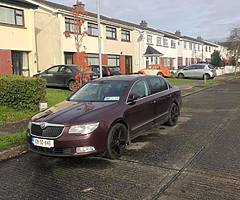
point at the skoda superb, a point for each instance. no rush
(104, 115)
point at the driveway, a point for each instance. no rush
(198, 159)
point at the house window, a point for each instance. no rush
(206, 49)
(165, 42)
(199, 47)
(149, 39)
(209, 49)
(11, 16)
(70, 25)
(185, 45)
(165, 62)
(93, 59)
(113, 60)
(111, 33)
(190, 46)
(68, 57)
(173, 44)
(159, 41)
(125, 35)
(92, 29)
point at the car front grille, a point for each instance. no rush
(52, 151)
(48, 132)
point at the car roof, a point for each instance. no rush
(133, 77)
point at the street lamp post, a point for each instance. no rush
(99, 38)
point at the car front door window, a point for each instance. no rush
(140, 90)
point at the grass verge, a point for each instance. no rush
(9, 141)
(178, 81)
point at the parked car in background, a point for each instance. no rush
(156, 69)
(106, 70)
(63, 75)
(197, 71)
(104, 115)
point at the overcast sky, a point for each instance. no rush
(211, 19)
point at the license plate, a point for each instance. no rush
(94, 77)
(43, 143)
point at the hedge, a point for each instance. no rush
(22, 92)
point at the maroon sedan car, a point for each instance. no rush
(104, 116)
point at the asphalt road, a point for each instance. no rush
(197, 159)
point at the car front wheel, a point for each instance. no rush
(117, 141)
(206, 76)
(173, 115)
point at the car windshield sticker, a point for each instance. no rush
(111, 98)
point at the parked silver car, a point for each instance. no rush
(197, 71)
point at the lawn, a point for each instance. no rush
(10, 115)
(55, 96)
(178, 81)
(8, 141)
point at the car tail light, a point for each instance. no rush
(108, 72)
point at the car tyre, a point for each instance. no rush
(181, 75)
(207, 76)
(173, 115)
(116, 141)
(71, 85)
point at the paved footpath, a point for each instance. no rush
(198, 159)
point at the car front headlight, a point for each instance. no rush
(83, 129)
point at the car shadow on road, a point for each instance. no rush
(48, 164)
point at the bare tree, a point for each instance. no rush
(79, 13)
(234, 40)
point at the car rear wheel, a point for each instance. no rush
(206, 76)
(71, 85)
(180, 75)
(173, 115)
(117, 141)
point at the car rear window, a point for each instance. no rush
(114, 70)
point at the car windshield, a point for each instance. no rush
(103, 91)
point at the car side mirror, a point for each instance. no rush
(133, 98)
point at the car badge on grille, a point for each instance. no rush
(43, 125)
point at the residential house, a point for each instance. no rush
(53, 20)
(17, 41)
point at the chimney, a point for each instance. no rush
(199, 38)
(144, 24)
(80, 5)
(178, 33)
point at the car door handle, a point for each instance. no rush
(153, 102)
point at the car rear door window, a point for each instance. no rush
(53, 70)
(65, 70)
(140, 89)
(158, 84)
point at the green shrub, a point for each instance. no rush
(22, 92)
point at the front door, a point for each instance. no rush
(5, 62)
(17, 62)
(140, 114)
(128, 64)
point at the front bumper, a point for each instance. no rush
(65, 146)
